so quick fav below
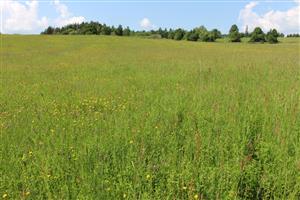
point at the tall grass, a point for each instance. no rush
(89, 117)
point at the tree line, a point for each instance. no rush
(293, 35)
(196, 34)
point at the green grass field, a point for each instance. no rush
(95, 117)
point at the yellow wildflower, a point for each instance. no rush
(196, 196)
(231, 194)
(27, 193)
(148, 176)
(4, 195)
(131, 141)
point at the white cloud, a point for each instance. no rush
(284, 21)
(65, 16)
(61, 8)
(20, 17)
(146, 24)
(71, 20)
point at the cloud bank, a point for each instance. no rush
(22, 17)
(284, 21)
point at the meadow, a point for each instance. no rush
(104, 117)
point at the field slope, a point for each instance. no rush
(94, 117)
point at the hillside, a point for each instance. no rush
(103, 117)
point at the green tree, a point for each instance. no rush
(56, 30)
(234, 35)
(113, 30)
(179, 33)
(126, 31)
(191, 36)
(202, 33)
(246, 32)
(257, 35)
(272, 36)
(163, 33)
(48, 31)
(171, 34)
(211, 37)
(106, 30)
(119, 31)
(216, 33)
(93, 27)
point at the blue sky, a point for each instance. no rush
(33, 16)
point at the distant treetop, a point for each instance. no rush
(196, 34)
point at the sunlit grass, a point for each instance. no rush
(94, 117)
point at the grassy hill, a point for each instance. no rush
(89, 117)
